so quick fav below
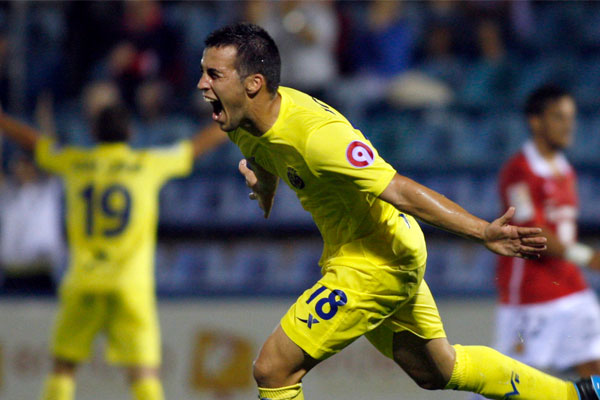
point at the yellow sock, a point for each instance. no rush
(59, 387)
(293, 392)
(485, 371)
(147, 389)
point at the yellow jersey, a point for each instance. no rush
(338, 175)
(112, 208)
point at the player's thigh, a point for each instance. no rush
(580, 340)
(344, 305)
(81, 315)
(521, 332)
(553, 335)
(419, 317)
(132, 329)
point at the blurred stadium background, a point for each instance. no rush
(437, 86)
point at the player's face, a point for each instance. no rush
(222, 87)
(557, 123)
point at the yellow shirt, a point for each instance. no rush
(112, 208)
(337, 175)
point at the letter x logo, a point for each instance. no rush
(310, 321)
(514, 379)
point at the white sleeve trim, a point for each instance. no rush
(519, 196)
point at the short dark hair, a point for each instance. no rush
(540, 98)
(257, 52)
(112, 124)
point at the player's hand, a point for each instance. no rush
(514, 241)
(595, 262)
(262, 183)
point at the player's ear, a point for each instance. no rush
(253, 84)
(534, 122)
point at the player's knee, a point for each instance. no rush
(137, 373)
(269, 372)
(425, 375)
(429, 382)
(263, 371)
(63, 366)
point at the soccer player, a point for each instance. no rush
(111, 213)
(548, 317)
(374, 253)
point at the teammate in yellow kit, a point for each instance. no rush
(111, 214)
(374, 251)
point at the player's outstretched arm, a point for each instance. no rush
(18, 131)
(435, 209)
(207, 139)
(263, 184)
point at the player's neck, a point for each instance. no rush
(547, 151)
(263, 114)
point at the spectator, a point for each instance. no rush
(383, 49)
(308, 32)
(147, 49)
(31, 243)
(490, 78)
(156, 125)
(92, 30)
(439, 59)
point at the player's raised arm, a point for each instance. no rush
(263, 184)
(21, 133)
(437, 210)
(207, 139)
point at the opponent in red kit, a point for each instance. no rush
(548, 317)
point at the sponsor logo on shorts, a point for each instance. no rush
(359, 154)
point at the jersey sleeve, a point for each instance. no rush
(50, 157)
(337, 150)
(172, 161)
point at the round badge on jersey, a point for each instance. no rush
(359, 154)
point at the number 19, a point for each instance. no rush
(113, 203)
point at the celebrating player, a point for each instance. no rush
(111, 213)
(548, 317)
(374, 253)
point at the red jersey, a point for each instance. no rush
(544, 195)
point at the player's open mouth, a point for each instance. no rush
(217, 108)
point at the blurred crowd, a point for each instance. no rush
(363, 57)
(431, 83)
(352, 53)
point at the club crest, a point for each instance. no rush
(295, 180)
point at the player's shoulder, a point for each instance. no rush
(173, 150)
(302, 106)
(516, 164)
(53, 145)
